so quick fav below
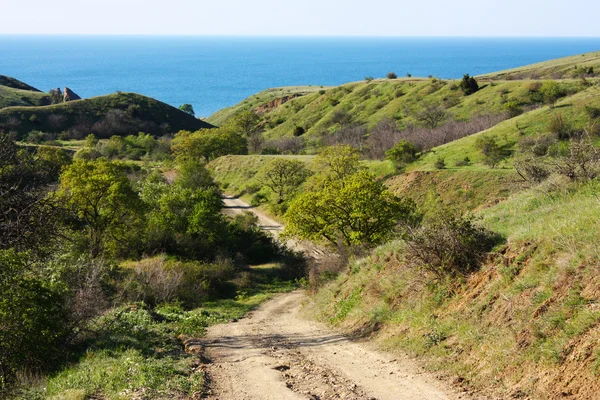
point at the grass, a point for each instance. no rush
(10, 97)
(137, 352)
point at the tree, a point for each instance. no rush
(551, 92)
(188, 109)
(91, 141)
(402, 154)
(391, 75)
(469, 85)
(100, 197)
(492, 153)
(247, 123)
(336, 163)
(357, 210)
(208, 144)
(432, 115)
(27, 212)
(284, 177)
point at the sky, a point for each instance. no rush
(303, 17)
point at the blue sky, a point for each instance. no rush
(304, 17)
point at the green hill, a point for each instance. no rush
(367, 103)
(578, 66)
(16, 84)
(17, 93)
(116, 114)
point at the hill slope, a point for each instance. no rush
(118, 114)
(578, 66)
(16, 93)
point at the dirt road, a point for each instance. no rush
(275, 354)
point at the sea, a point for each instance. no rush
(215, 72)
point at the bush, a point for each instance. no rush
(449, 245)
(469, 85)
(33, 319)
(440, 163)
(464, 162)
(551, 92)
(299, 131)
(391, 75)
(513, 108)
(402, 154)
(492, 153)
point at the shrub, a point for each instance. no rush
(464, 162)
(559, 127)
(440, 163)
(391, 75)
(551, 92)
(299, 131)
(592, 112)
(492, 153)
(33, 319)
(369, 78)
(469, 85)
(402, 154)
(513, 108)
(449, 245)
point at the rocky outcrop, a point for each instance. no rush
(56, 95)
(69, 95)
(273, 104)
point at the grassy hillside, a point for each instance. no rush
(568, 67)
(16, 84)
(17, 93)
(526, 326)
(509, 133)
(258, 99)
(120, 113)
(400, 100)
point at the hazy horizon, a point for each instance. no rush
(379, 18)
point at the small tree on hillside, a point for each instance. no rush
(492, 153)
(284, 177)
(432, 115)
(391, 75)
(469, 85)
(357, 210)
(247, 123)
(188, 109)
(551, 92)
(402, 154)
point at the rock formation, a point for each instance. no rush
(69, 95)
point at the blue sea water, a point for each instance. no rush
(216, 72)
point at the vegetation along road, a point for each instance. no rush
(274, 353)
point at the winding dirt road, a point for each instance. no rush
(275, 354)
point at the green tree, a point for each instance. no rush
(336, 163)
(357, 210)
(208, 144)
(284, 177)
(432, 115)
(469, 85)
(91, 141)
(101, 198)
(492, 153)
(402, 154)
(248, 124)
(551, 92)
(188, 109)
(33, 321)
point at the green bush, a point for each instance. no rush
(402, 154)
(33, 319)
(449, 245)
(440, 163)
(469, 85)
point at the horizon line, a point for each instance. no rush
(353, 36)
